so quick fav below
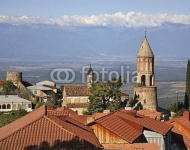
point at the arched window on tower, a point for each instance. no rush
(151, 80)
(143, 80)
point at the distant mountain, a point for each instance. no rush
(53, 42)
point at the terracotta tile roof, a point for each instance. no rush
(81, 118)
(183, 122)
(41, 126)
(76, 90)
(122, 94)
(119, 127)
(185, 138)
(150, 113)
(76, 105)
(2, 81)
(62, 111)
(50, 86)
(98, 115)
(134, 146)
(147, 122)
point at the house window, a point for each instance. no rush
(14, 106)
(8, 106)
(29, 105)
(19, 106)
(24, 106)
(4, 106)
(0, 106)
(35, 92)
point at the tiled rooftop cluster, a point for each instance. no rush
(44, 129)
(129, 125)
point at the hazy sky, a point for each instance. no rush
(57, 8)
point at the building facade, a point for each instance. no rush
(76, 96)
(13, 102)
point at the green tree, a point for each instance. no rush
(8, 87)
(187, 91)
(104, 96)
(11, 116)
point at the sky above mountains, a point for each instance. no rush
(52, 8)
(109, 27)
(125, 13)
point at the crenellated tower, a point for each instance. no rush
(145, 90)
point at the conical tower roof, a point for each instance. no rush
(145, 49)
(90, 70)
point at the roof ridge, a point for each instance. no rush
(140, 122)
(124, 138)
(82, 125)
(66, 125)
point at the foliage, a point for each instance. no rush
(11, 116)
(173, 107)
(180, 112)
(104, 96)
(187, 91)
(8, 87)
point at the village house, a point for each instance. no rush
(76, 96)
(43, 90)
(128, 127)
(14, 102)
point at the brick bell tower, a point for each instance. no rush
(145, 90)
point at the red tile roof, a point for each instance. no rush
(62, 111)
(150, 113)
(183, 122)
(146, 122)
(81, 118)
(50, 86)
(122, 94)
(2, 81)
(119, 127)
(134, 146)
(76, 105)
(76, 90)
(41, 126)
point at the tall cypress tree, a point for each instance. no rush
(187, 90)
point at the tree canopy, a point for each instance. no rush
(104, 96)
(187, 91)
(8, 87)
(11, 116)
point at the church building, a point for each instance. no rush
(145, 90)
(75, 96)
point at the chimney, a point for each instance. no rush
(186, 115)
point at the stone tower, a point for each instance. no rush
(145, 90)
(15, 77)
(90, 77)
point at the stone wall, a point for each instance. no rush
(147, 96)
(15, 77)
